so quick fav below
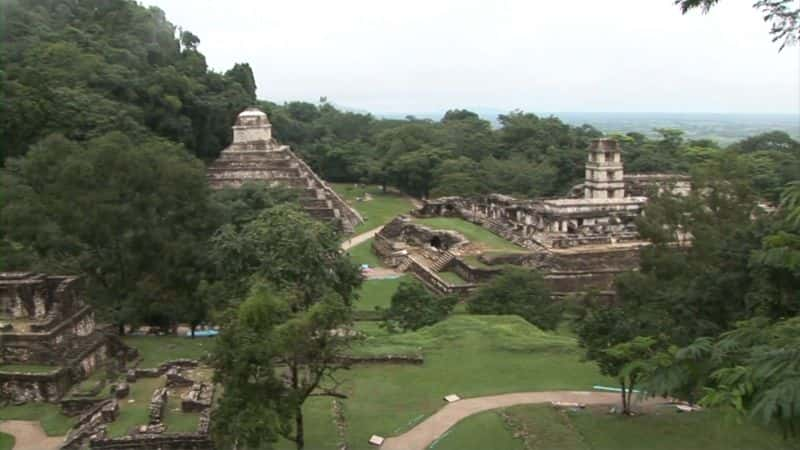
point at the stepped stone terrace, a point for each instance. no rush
(255, 155)
(49, 339)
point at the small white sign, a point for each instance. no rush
(452, 398)
(376, 440)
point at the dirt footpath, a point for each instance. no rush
(30, 435)
(422, 435)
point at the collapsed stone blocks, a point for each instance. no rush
(198, 398)
(158, 402)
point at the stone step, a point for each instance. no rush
(256, 163)
(315, 203)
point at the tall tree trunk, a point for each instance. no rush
(299, 439)
(121, 329)
(624, 398)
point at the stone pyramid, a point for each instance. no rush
(255, 156)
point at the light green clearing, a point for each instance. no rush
(474, 233)
(376, 212)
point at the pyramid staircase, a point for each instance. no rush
(443, 261)
(277, 164)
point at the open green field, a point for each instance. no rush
(377, 293)
(542, 427)
(467, 355)
(363, 254)
(381, 209)
(48, 414)
(155, 350)
(476, 234)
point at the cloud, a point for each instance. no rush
(582, 55)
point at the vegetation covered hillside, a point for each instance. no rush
(83, 69)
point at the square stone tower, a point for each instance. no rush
(252, 125)
(604, 173)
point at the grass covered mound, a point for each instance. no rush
(542, 427)
(467, 355)
(474, 233)
(48, 414)
(378, 210)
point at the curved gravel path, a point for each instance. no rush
(355, 240)
(30, 435)
(422, 435)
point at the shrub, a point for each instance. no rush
(521, 292)
(414, 307)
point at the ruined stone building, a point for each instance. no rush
(255, 155)
(45, 323)
(580, 242)
(603, 215)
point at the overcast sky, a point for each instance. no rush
(538, 55)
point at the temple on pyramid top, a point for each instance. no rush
(254, 155)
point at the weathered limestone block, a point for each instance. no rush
(130, 376)
(121, 390)
(110, 411)
(198, 398)
(157, 404)
(176, 379)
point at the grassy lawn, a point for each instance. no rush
(155, 350)
(6, 441)
(176, 420)
(380, 210)
(542, 427)
(363, 254)
(476, 234)
(30, 368)
(48, 414)
(481, 431)
(131, 415)
(452, 278)
(467, 355)
(377, 293)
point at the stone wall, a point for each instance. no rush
(170, 441)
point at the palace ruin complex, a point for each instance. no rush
(579, 242)
(255, 155)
